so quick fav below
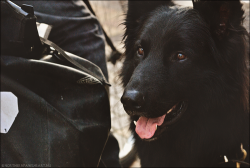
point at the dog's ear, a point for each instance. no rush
(138, 10)
(221, 16)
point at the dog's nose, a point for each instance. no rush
(132, 100)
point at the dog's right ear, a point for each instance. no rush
(138, 10)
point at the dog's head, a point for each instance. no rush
(172, 54)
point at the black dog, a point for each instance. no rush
(186, 82)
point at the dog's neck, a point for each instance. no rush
(183, 156)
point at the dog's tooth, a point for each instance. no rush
(135, 122)
(171, 109)
(225, 158)
(156, 128)
(181, 106)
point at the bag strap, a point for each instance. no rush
(63, 56)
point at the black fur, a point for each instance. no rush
(214, 79)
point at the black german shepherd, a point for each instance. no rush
(186, 82)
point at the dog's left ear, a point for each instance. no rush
(221, 16)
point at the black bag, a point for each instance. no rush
(18, 29)
(64, 113)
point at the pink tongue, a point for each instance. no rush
(145, 127)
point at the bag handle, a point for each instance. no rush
(63, 56)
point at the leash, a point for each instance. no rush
(115, 55)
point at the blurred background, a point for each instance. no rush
(111, 15)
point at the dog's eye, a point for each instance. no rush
(181, 56)
(140, 51)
